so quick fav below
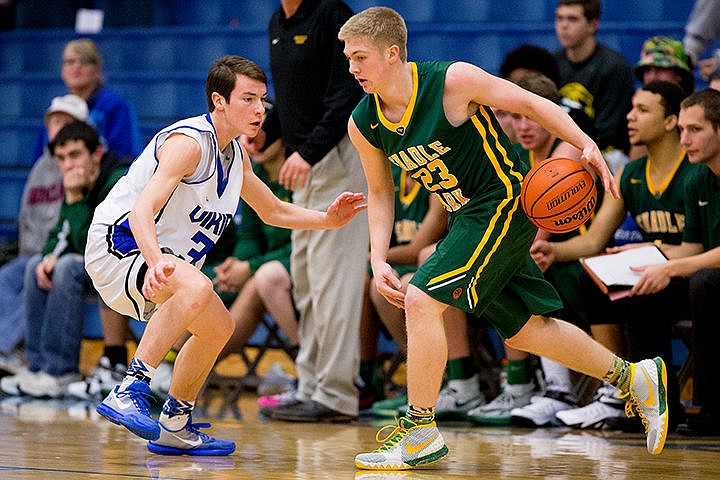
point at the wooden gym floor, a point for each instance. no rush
(44, 439)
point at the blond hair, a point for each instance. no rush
(382, 26)
(87, 50)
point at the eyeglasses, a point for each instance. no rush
(77, 61)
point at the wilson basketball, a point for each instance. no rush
(558, 195)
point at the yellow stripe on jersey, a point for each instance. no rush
(491, 154)
(660, 189)
(483, 110)
(393, 127)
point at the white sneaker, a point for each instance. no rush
(276, 380)
(605, 405)
(44, 385)
(13, 362)
(160, 383)
(498, 411)
(459, 397)
(11, 385)
(103, 378)
(541, 410)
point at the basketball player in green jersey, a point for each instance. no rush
(434, 120)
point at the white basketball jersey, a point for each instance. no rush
(199, 209)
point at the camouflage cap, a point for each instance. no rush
(662, 52)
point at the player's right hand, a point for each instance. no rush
(157, 277)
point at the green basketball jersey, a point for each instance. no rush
(658, 210)
(483, 264)
(461, 164)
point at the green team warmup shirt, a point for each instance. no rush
(703, 208)
(483, 265)
(658, 210)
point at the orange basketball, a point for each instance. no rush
(558, 195)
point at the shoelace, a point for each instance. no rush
(633, 402)
(390, 440)
(194, 428)
(140, 398)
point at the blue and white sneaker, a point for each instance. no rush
(189, 440)
(128, 406)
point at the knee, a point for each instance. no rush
(419, 305)
(704, 283)
(522, 340)
(198, 289)
(272, 275)
(67, 267)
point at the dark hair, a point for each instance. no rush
(541, 85)
(77, 130)
(709, 100)
(531, 57)
(591, 8)
(671, 95)
(223, 73)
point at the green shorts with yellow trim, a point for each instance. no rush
(483, 266)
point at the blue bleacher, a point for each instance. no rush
(161, 69)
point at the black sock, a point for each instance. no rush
(116, 355)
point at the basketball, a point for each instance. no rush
(558, 195)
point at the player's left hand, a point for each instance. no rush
(591, 157)
(654, 279)
(344, 208)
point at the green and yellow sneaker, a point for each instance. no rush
(648, 394)
(409, 445)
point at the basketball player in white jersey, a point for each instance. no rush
(149, 238)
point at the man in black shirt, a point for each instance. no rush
(315, 95)
(594, 78)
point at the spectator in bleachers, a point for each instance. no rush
(698, 257)
(56, 284)
(39, 209)
(114, 118)
(663, 58)
(519, 62)
(315, 94)
(652, 190)
(110, 113)
(515, 403)
(594, 78)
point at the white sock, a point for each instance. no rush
(557, 377)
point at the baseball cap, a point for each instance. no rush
(70, 104)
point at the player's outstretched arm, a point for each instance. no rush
(274, 211)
